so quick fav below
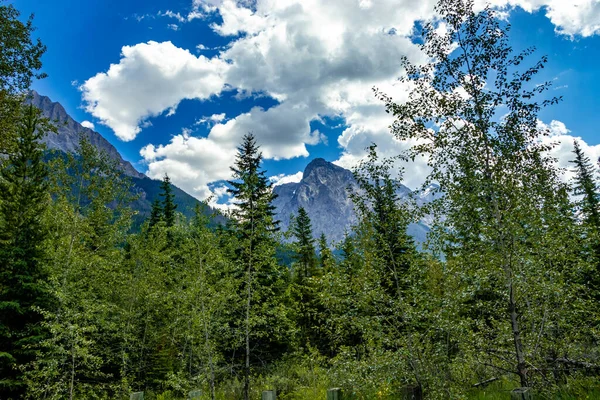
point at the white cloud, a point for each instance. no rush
(174, 15)
(554, 129)
(213, 119)
(192, 163)
(173, 27)
(282, 179)
(150, 78)
(570, 17)
(87, 124)
(562, 141)
(316, 58)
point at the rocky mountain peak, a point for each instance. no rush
(69, 131)
(324, 192)
(320, 171)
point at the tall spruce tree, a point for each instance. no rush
(302, 231)
(155, 213)
(168, 202)
(263, 279)
(586, 186)
(23, 276)
(325, 254)
(379, 206)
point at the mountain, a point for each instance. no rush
(323, 194)
(69, 131)
(67, 140)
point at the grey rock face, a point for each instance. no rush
(69, 130)
(323, 192)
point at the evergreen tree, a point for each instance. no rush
(302, 231)
(23, 274)
(168, 202)
(155, 213)
(586, 186)
(263, 279)
(379, 206)
(325, 255)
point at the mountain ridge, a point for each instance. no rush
(68, 133)
(67, 140)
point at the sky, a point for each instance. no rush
(175, 84)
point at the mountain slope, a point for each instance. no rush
(67, 140)
(69, 131)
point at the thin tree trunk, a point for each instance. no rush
(248, 304)
(211, 365)
(247, 367)
(72, 382)
(521, 366)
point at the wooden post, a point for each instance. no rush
(334, 394)
(269, 395)
(195, 394)
(412, 392)
(523, 393)
(137, 396)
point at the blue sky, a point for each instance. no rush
(189, 77)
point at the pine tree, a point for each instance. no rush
(379, 206)
(168, 202)
(325, 255)
(155, 214)
(256, 225)
(586, 186)
(23, 287)
(302, 231)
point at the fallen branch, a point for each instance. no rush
(486, 382)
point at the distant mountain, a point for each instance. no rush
(323, 194)
(67, 140)
(70, 130)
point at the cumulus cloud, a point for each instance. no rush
(87, 124)
(570, 17)
(191, 162)
(150, 78)
(316, 58)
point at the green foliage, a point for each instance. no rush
(23, 275)
(168, 205)
(505, 296)
(585, 185)
(20, 62)
(305, 249)
(507, 231)
(264, 327)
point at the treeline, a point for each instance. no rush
(505, 291)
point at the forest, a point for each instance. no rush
(504, 295)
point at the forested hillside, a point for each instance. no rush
(503, 295)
